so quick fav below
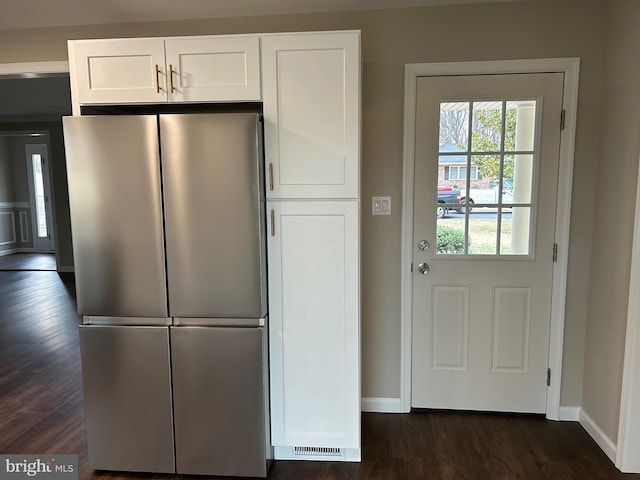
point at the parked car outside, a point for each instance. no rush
(446, 195)
(484, 196)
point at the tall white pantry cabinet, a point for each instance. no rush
(310, 86)
(311, 92)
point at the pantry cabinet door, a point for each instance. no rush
(311, 90)
(118, 71)
(315, 324)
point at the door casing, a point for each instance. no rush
(570, 67)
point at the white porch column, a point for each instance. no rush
(522, 176)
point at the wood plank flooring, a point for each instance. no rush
(28, 261)
(41, 412)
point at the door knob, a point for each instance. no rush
(423, 268)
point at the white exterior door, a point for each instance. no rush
(40, 197)
(486, 168)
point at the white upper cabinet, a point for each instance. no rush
(118, 71)
(156, 70)
(311, 94)
(220, 68)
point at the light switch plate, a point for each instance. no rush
(380, 205)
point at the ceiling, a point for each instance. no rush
(58, 13)
(25, 98)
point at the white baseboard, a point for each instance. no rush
(382, 405)
(9, 251)
(601, 438)
(569, 414)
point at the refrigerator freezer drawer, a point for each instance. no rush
(220, 401)
(127, 398)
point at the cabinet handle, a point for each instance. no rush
(271, 177)
(157, 79)
(273, 223)
(171, 78)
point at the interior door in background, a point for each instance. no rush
(486, 169)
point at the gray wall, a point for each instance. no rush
(20, 177)
(6, 187)
(15, 217)
(6, 197)
(613, 229)
(392, 38)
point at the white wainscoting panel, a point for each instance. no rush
(24, 227)
(7, 228)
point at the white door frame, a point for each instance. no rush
(628, 443)
(570, 67)
(33, 69)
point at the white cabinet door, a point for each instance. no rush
(118, 71)
(314, 300)
(311, 92)
(213, 68)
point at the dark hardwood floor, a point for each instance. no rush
(41, 412)
(28, 261)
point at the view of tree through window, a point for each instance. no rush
(493, 139)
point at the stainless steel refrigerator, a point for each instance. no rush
(168, 220)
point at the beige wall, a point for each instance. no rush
(390, 39)
(612, 234)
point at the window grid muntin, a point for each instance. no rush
(500, 206)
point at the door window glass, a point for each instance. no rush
(486, 177)
(38, 188)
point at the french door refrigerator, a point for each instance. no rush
(168, 220)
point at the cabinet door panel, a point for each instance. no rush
(119, 71)
(312, 109)
(314, 302)
(214, 68)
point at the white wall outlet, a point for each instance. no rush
(380, 205)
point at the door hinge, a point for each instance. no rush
(548, 377)
(555, 252)
(563, 114)
(411, 267)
